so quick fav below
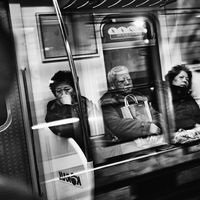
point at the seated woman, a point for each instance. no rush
(66, 106)
(186, 110)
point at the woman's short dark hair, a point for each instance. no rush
(61, 77)
(175, 71)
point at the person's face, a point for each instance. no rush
(181, 80)
(123, 82)
(63, 89)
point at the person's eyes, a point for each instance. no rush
(66, 89)
(58, 91)
(120, 81)
(187, 79)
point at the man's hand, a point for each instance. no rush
(197, 128)
(154, 129)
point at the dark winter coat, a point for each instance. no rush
(119, 128)
(186, 110)
(57, 111)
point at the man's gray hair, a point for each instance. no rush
(114, 71)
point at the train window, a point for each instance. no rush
(186, 34)
(80, 31)
(129, 42)
(136, 60)
(189, 45)
(183, 37)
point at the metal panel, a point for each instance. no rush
(13, 151)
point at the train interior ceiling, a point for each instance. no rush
(89, 38)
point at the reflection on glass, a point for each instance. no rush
(5, 117)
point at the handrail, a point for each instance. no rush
(76, 82)
(31, 139)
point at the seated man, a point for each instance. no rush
(118, 128)
(66, 106)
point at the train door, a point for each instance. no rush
(131, 41)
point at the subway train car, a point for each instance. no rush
(90, 153)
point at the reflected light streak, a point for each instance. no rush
(55, 123)
(106, 166)
(128, 4)
(69, 4)
(99, 4)
(142, 3)
(83, 5)
(155, 3)
(114, 4)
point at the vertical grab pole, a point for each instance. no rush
(74, 74)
